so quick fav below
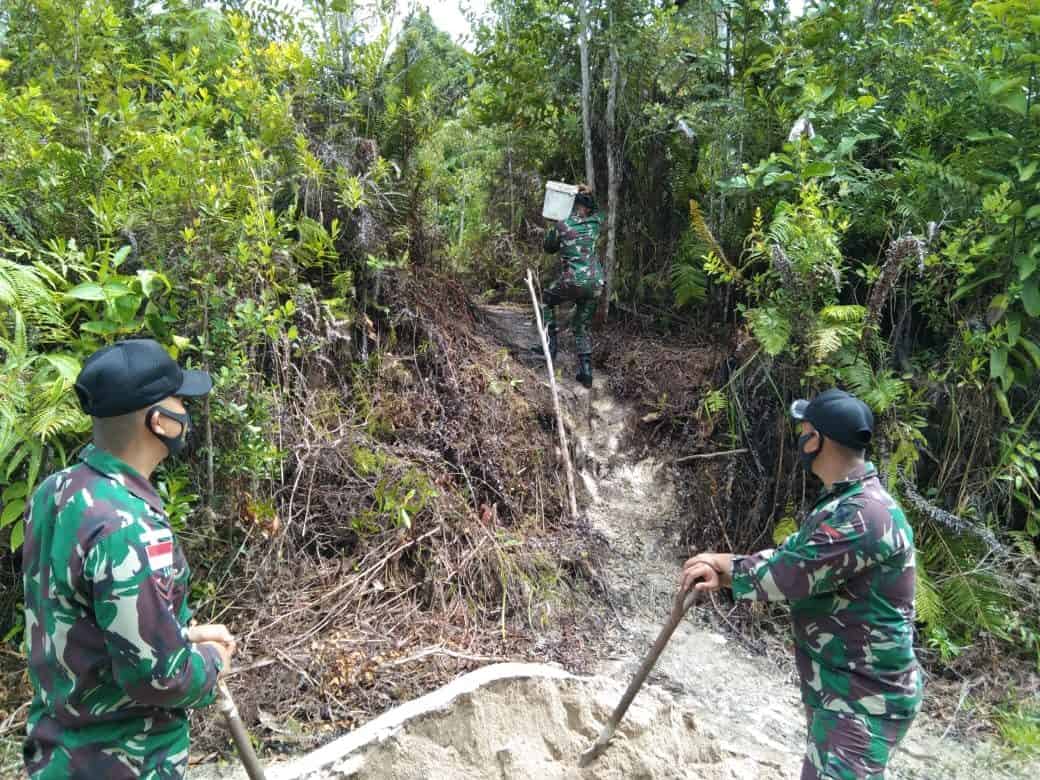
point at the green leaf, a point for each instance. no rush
(17, 535)
(998, 358)
(774, 177)
(967, 287)
(15, 490)
(1032, 349)
(1002, 402)
(1025, 172)
(88, 291)
(1031, 295)
(148, 279)
(1014, 330)
(66, 365)
(866, 101)
(126, 307)
(818, 168)
(120, 256)
(735, 183)
(12, 512)
(101, 328)
(116, 290)
(997, 307)
(1033, 212)
(1026, 265)
(1016, 102)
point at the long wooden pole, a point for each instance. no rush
(571, 494)
(238, 733)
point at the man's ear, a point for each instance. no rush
(152, 421)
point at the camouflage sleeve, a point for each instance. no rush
(152, 659)
(807, 564)
(552, 239)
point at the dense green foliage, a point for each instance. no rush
(861, 188)
(236, 181)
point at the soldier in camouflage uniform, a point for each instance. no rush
(113, 663)
(848, 574)
(581, 277)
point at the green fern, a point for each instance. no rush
(967, 599)
(843, 314)
(714, 403)
(928, 601)
(23, 290)
(880, 390)
(689, 284)
(828, 339)
(771, 329)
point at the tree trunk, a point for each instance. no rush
(614, 152)
(586, 92)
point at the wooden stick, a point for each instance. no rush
(705, 455)
(571, 494)
(238, 733)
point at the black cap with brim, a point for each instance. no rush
(195, 384)
(132, 375)
(798, 409)
(839, 416)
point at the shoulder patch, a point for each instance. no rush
(158, 544)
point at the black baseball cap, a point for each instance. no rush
(837, 415)
(586, 199)
(134, 374)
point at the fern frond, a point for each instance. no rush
(826, 341)
(972, 598)
(844, 314)
(23, 290)
(689, 284)
(703, 232)
(771, 329)
(927, 602)
(929, 170)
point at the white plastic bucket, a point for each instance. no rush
(559, 200)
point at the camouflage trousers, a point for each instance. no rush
(843, 746)
(124, 750)
(585, 298)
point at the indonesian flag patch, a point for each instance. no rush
(158, 548)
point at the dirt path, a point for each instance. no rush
(750, 705)
(710, 710)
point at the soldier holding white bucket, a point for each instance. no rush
(581, 278)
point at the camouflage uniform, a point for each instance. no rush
(581, 276)
(849, 576)
(105, 620)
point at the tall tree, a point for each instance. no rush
(584, 33)
(615, 147)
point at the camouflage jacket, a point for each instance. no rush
(575, 239)
(105, 617)
(849, 576)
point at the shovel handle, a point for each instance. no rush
(683, 601)
(238, 733)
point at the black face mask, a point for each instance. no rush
(173, 444)
(807, 458)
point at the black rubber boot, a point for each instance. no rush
(585, 370)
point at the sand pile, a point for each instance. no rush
(495, 725)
